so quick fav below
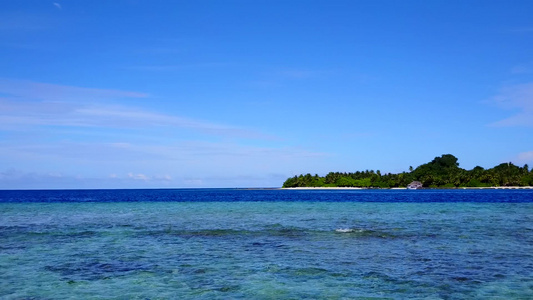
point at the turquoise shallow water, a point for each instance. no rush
(267, 249)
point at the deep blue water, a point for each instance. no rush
(266, 244)
(233, 195)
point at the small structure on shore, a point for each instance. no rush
(415, 185)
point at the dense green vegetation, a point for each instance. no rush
(442, 171)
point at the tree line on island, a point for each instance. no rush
(441, 172)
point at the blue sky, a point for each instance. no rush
(160, 94)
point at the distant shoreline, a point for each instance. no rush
(398, 188)
(441, 172)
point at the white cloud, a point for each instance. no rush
(57, 5)
(138, 176)
(518, 98)
(144, 177)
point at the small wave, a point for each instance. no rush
(346, 230)
(360, 232)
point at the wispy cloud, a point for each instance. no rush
(54, 92)
(144, 177)
(25, 22)
(124, 164)
(29, 103)
(99, 132)
(524, 158)
(22, 115)
(276, 77)
(186, 152)
(179, 67)
(57, 5)
(518, 98)
(18, 179)
(298, 74)
(138, 176)
(524, 29)
(526, 68)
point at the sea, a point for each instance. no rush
(266, 244)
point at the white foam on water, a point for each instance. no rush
(345, 230)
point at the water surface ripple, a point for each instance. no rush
(270, 244)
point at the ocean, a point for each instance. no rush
(266, 244)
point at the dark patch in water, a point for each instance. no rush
(211, 233)
(423, 259)
(200, 271)
(11, 247)
(460, 278)
(228, 288)
(97, 270)
(282, 231)
(311, 271)
(232, 195)
(271, 231)
(289, 232)
(259, 244)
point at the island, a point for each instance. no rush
(441, 172)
